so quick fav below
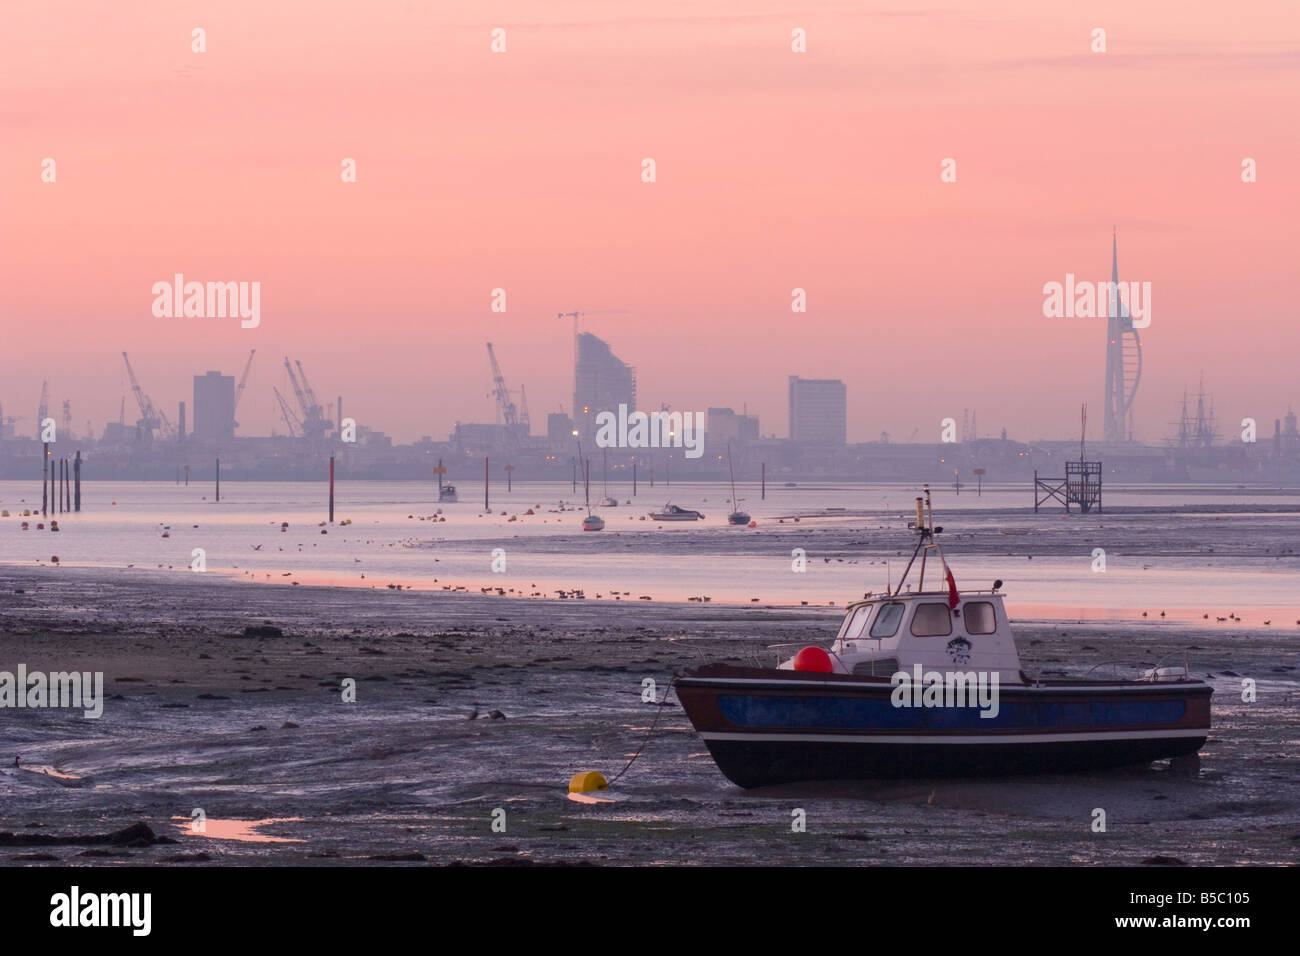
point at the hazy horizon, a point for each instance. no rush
(775, 170)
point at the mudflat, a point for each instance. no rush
(415, 770)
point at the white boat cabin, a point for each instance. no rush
(883, 635)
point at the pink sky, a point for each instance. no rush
(775, 170)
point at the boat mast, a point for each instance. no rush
(732, 471)
(926, 540)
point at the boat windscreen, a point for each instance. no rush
(855, 623)
(887, 621)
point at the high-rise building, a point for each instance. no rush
(214, 407)
(818, 410)
(601, 382)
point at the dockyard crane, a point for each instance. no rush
(505, 407)
(297, 389)
(151, 417)
(314, 425)
(306, 386)
(290, 419)
(44, 409)
(524, 421)
(243, 379)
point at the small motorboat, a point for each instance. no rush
(607, 502)
(929, 684)
(447, 493)
(673, 513)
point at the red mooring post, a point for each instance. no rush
(764, 473)
(331, 489)
(487, 478)
(633, 479)
(218, 479)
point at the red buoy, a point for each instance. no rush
(813, 659)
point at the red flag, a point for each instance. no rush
(952, 588)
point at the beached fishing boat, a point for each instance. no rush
(929, 684)
(673, 513)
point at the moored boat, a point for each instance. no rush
(929, 684)
(672, 512)
(736, 517)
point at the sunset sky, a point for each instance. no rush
(775, 170)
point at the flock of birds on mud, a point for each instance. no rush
(563, 594)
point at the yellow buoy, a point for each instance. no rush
(590, 780)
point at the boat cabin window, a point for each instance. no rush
(980, 618)
(887, 621)
(931, 620)
(855, 624)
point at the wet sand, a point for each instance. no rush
(197, 717)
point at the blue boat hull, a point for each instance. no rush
(766, 727)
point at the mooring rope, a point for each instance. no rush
(663, 705)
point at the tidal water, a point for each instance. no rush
(818, 544)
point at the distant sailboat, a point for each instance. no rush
(591, 522)
(736, 517)
(607, 501)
